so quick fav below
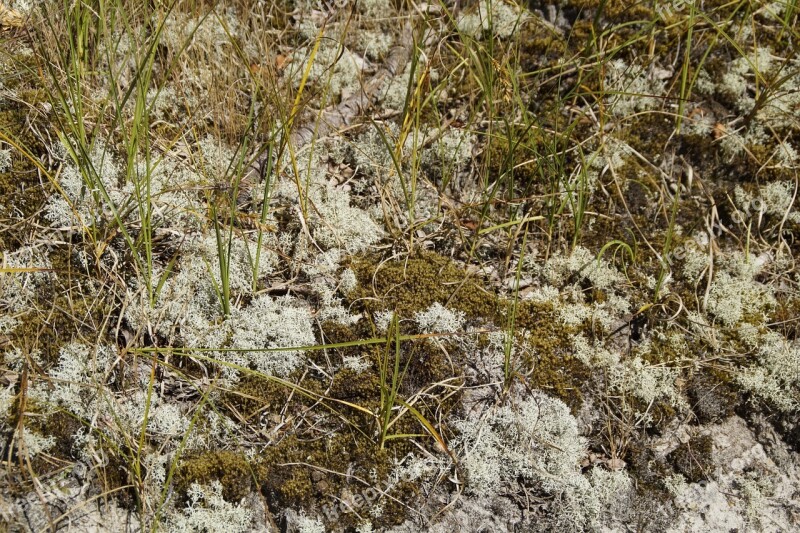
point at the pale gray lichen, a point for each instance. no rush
(5, 160)
(786, 154)
(269, 324)
(29, 270)
(579, 265)
(208, 511)
(307, 524)
(356, 363)
(776, 375)
(188, 309)
(564, 276)
(695, 261)
(335, 68)
(7, 396)
(375, 8)
(86, 186)
(439, 319)
(327, 208)
(594, 354)
(382, 320)
(375, 44)
(537, 442)
(206, 45)
(451, 151)
(84, 195)
(323, 272)
(347, 281)
(735, 141)
(33, 443)
(495, 16)
(647, 382)
(740, 81)
(779, 198)
(735, 294)
(736, 79)
(632, 88)
(79, 371)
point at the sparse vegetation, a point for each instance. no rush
(391, 266)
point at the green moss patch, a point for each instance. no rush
(413, 285)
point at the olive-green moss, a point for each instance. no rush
(539, 46)
(647, 469)
(786, 313)
(51, 326)
(255, 394)
(617, 11)
(236, 474)
(306, 467)
(22, 192)
(694, 458)
(554, 369)
(413, 285)
(116, 477)
(63, 427)
(649, 133)
(661, 412)
(312, 472)
(644, 463)
(425, 362)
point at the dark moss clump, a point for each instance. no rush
(712, 398)
(539, 46)
(255, 394)
(59, 316)
(63, 426)
(646, 467)
(46, 330)
(662, 414)
(20, 186)
(694, 458)
(617, 11)
(788, 426)
(650, 134)
(313, 473)
(562, 377)
(425, 362)
(310, 467)
(785, 314)
(117, 478)
(413, 285)
(234, 472)
(555, 370)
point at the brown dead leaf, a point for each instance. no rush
(281, 61)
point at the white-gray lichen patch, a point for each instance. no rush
(29, 271)
(497, 17)
(536, 441)
(270, 324)
(776, 375)
(735, 293)
(326, 208)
